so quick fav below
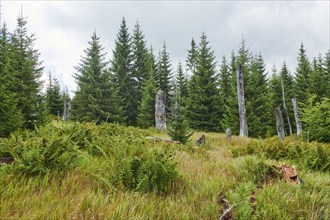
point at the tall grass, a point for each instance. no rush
(88, 190)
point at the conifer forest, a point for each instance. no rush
(98, 152)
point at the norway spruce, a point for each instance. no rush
(203, 101)
(122, 76)
(164, 74)
(28, 70)
(54, 97)
(94, 99)
(11, 117)
(146, 115)
(303, 77)
(178, 126)
(139, 59)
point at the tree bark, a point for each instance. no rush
(228, 133)
(285, 108)
(243, 130)
(296, 116)
(160, 113)
(279, 123)
(66, 110)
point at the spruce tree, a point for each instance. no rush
(94, 99)
(275, 93)
(122, 76)
(302, 77)
(182, 83)
(28, 70)
(192, 56)
(230, 114)
(224, 89)
(259, 110)
(178, 127)
(318, 79)
(139, 59)
(288, 84)
(146, 115)
(164, 74)
(203, 101)
(326, 71)
(11, 117)
(54, 98)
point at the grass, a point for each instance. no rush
(206, 173)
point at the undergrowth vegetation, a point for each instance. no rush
(57, 148)
(87, 171)
(312, 156)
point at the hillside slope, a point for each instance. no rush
(84, 171)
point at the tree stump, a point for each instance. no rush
(160, 111)
(290, 174)
(228, 133)
(201, 140)
(279, 123)
(66, 110)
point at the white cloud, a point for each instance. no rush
(275, 28)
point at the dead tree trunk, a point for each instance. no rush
(279, 123)
(160, 112)
(296, 116)
(243, 128)
(285, 108)
(66, 110)
(228, 133)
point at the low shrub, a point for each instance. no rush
(313, 156)
(55, 148)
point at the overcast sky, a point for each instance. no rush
(273, 28)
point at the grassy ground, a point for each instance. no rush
(207, 174)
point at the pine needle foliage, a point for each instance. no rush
(178, 126)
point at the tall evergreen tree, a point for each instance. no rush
(11, 117)
(122, 76)
(164, 74)
(302, 77)
(192, 57)
(259, 110)
(178, 126)
(203, 99)
(326, 71)
(275, 92)
(182, 84)
(139, 59)
(94, 99)
(28, 68)
(224, 89)
(288, 83)
(318, 81)
(146, 115)
(230, 114)
(54, 98)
